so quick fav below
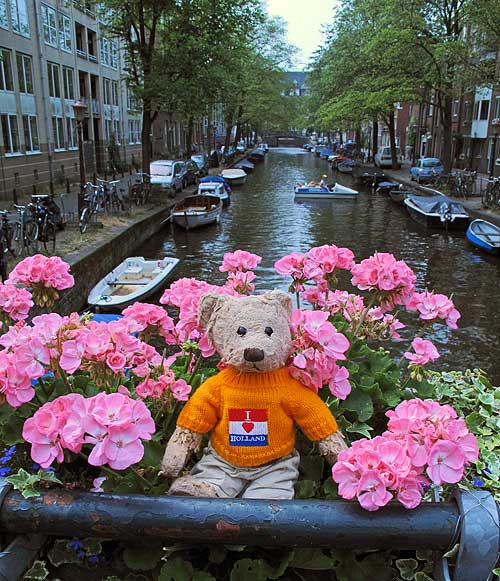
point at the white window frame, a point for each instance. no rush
(10, 118)
(497, 108)
(113, 60)
(134, 132)
(104, 51)
(117, 132)
(64, 29)
(49, 20)
(106, 91)
(22, 76)
(19, 17)
(51, 80)
(3, 76)
(114, 93)
(67, 72)
(4, 16)
(58, 133)
(72, 133)
(29, 142)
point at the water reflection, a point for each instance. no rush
(264, 218)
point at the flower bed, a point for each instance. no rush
(90, 405)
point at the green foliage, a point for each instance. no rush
(26, 482)
(37, 571)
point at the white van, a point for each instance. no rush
(383, 156)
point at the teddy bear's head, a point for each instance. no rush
(249, 333)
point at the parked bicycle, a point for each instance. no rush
(141, 189)
(112, 201)
(6, 240)
(45, 222)
(25, 232)
(94, 203)
(490, 196)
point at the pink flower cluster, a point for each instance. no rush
(15, 302)
(393, 279)
(431, 306)
(50, 272)
(166, 383)
(319, 264)
(150, 320)
(425, 351)
(422, 436)
(113, 423)
(317, 346)
(239, 265)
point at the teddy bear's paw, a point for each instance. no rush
(331, 446)
(190, 486)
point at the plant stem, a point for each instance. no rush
(115, 474)
(297, 298)
(371, 302)
(195, 369)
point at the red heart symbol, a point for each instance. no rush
(247, 426)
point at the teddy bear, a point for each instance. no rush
(250, 407)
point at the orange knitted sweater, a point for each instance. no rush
(252, 415)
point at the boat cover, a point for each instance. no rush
(217, 179)
(387, 185)
(244, 163)
(437, 205)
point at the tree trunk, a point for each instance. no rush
(145, 136)
(446, 124)
(374, 138)
(189, 137)
(392, 140)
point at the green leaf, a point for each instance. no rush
(176, 569)
(142, 558)
(360, 428)
(311, 467)
(312, 559)
(217, 554)
(153, 453)
(305, 489)
(421, 576)
(473, 421)
(202, 576)
(249, 570)
(37, 571)
(407, 568)
(330, 489)
(60, 553)
(12, 430)
(360, 403)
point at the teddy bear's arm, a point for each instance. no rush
(182, 443)
(331, 446)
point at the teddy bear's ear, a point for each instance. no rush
(207, 305)
(283, 298)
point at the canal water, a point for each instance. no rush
(264, 218)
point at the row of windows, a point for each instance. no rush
(56, 28)
(14, 14)
(24, 72)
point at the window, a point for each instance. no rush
(497, 108)
(24, 73)
(10, 133)
(57, 126)
(467, 111)
(71, 133)
(114, 54)
(49, 25)
(4, 20)
(53, 74)
(109, 53)
(30, 133)
(116, 131)
(132, 102)
(105, 52)
(484, 110)
(64, 32)
(106, 91)
(134, 132)
(69, 91)
(19, 15)
(456, 104)
(114, 92)
(6, 83)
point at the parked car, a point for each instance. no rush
(190, 173)
(201, 161)
(426, 168)
(167, 174)
(241, 147)
(383, 157)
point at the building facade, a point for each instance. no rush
(52, 53)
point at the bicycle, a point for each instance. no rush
(46, 223)
(6, 238)
(94, 200)
(25, 233)
(490, 196)
(141, 190)
(112, 201)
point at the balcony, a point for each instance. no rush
(495, 121)
(81, 53)
(85, 7)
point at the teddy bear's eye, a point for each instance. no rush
(268, 331)
(241, 331)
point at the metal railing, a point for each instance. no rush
(471, 520)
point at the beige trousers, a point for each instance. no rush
(274, 480)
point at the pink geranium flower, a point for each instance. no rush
(433, 306)
(446, 462)
(181, 390)
(425, 351)
(372, 493)
(239, 260)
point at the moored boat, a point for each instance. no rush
(484, 235)
(437, 212)
(338, 191)
(347, 166)
(134, 279)
(216, 189)
(399, 196)
(245, 165)
(196, 211)
(234, 177)
(386, 187)
(257, 155)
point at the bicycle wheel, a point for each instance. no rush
(84, 220)
(49, 237)
(487, 196)
(31, 232)
(116, 203)
(3, 260)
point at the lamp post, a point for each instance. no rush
(80, 109)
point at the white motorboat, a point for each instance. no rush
(234, 177)
(134, 279)
(217, 189)
(196, 211)
(315, 192)
(437, 212)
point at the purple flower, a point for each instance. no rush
(478, 482)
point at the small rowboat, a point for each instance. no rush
(245, 165)
(215, 189)
(386, 187)
(196, 211)
(337, 192)
(484, 235)
(133, 280)
(234, 177)
(399, 196)
(257, 155)
(437, 212)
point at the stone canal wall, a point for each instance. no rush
(90, 265)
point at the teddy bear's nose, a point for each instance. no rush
(253, 354)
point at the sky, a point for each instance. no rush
(305, 19)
